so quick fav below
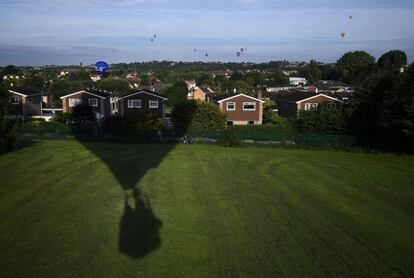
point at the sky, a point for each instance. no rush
(62, 32)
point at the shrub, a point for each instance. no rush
(61, 118)
(141, 121)
(82, 114)
(229, 138)
(321, 121)
(192, 115)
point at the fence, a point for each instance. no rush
(269, 137)
(250, 136)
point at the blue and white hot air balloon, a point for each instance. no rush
(101, 67)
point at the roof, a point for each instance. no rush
(97, 93)
(156, 94)
(206, 90)
(25, 91)
(298, 96)
(223, 97)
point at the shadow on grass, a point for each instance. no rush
(139, 226)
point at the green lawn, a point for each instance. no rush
(116, 210)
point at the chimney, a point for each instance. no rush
(259, 95)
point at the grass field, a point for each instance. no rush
(113, 210)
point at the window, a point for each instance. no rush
(74, 102)
(311, 106)
(249, 106)
(229, 123)
(251, 122)
(93, 102)
(231, 106)
(15, 100)
(134, 103)
(153, 104)
(331, 106)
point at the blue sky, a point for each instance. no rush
(68, 32)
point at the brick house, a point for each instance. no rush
(289, 104)
(201, 93)
(100, 101)
(25, 102)
(241, 109)
(143, 100)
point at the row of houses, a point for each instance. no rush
(241, 109)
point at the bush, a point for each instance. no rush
(276, 121)
(192, 115)
(8, 140)
(82, 114)
(61, 118)
(141, 121)
(229, 138)
(321, 121)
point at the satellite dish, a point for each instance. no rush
(101, 67)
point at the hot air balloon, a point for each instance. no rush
(195, 50)
(350, 17)
(151, 39)
(343, 34)
(101, 67)
(155, 36)
(238, 54)
(242, 49)
(206, 54)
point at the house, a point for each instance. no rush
(296, 81)
(201, 93)
(25, 102)
(191, 85)
(290, 103)
(241, 109)
(144, 100)
(100, 101)
(28, 103)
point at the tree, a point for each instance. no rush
(383, 108)
(192, 115)
(175, 93)
(243, 87)
(113, 85)
(33, 81)
(10, 70)
(313, 72)
(392, 60)
(353, 67)
(7, 134)
(322, 121)
(278, 78)
(60, 88)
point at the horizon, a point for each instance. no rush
(60, 33)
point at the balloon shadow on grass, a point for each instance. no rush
(139, 227)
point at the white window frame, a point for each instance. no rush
(331, 105)
(91, 104)
(249, 103)
(74, 102)
(132, 105)
(311, 106)
(234, 106)
(14, 99)
(151, 102)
